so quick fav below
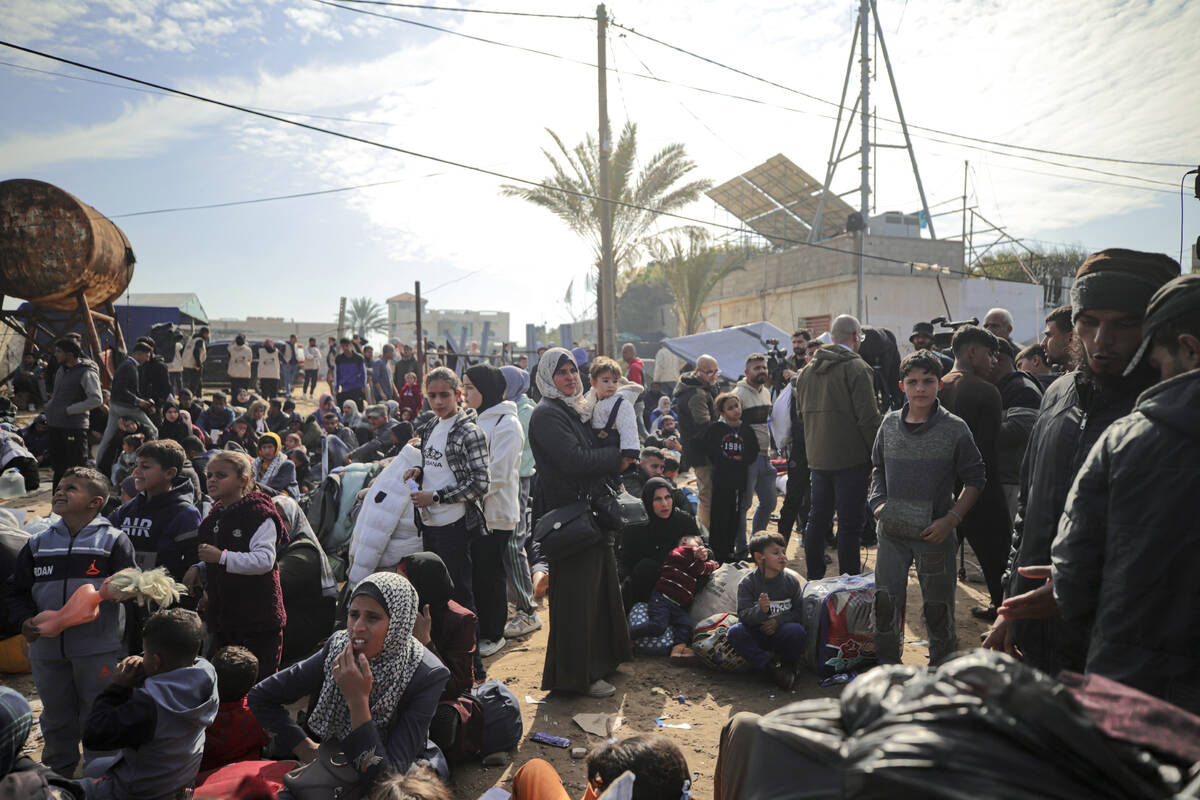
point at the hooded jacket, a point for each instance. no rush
(76, 392)
(159, 728)
(1073, 417)
(616, 417)
(1128, 546)
(525, 408)
(162, 528)
(694, 405)
(385, 530)
(51, 566)
(836, 397)
(506, 443)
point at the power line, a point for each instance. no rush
(168, 94)
(415, 154)
(743, 98)
(469, 11)
(938, 131)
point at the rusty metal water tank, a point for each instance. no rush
(52, 245)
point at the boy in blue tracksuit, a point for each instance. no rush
(155, 711)
(71, 669)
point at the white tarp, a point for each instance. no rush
(729, 346)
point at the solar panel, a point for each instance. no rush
(779, 200)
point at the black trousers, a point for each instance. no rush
(797, 500)
(191, 380)
(987, 530)
(236, 385)
(359, 396)
(269, 386)
(68, 448)
(724, 519)
(491, 594)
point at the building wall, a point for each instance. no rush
(440, 323)
(277, 328)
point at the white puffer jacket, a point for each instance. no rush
(385, 530)
(506, 442)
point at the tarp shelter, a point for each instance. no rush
(729, 346)
(137, 313)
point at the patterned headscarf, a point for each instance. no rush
(16, 720)
(548, 364)
(391, 670)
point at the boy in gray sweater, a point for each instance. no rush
(921, 452)
(769, 634)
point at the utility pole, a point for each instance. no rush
(606, 290)
(420, 338)
(864, 191)
(341, 319)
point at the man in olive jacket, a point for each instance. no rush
(835, 394)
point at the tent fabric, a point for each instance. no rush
(729, 346)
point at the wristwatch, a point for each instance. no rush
(437, 496)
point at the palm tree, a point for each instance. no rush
(692, 267)
(653, 189)
(366, 316)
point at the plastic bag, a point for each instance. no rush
(711, 644)
(719, 594)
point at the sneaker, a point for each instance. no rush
(487, 647)
(985, 613)
(783, 674)
(522, 624)
(601, 688)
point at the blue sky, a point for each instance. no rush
(1101, 78)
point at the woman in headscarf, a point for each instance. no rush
(18, 772)
(273, 468)
(588, 633)
(377, 687)
(350, 416)
(325, 405)
(449, 631)
(644, 549)
(483, 390)
(172, 426)
(516, 560)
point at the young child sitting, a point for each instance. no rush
(672, 596)
(769, 634)
(123, 467)
(920, 453)
(235, 734)
(610, 405)
(731, 449)
(72, 668)
(155, 711)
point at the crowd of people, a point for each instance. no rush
(470, 498)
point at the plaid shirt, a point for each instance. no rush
(468, 456)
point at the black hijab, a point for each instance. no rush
(660, 536)
(429, 576)
(490, 382)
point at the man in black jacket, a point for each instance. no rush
(1108, 300)
(1129, 541)
(154, 380)
(125, 401)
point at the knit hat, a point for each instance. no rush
(1174, 299)
(1120, 280)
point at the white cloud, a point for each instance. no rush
(312, 20)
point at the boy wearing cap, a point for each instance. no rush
(1108, 300)
(1129, 537)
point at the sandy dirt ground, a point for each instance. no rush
(647, 688)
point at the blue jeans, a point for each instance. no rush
(756, 647)
(289, 373)
(760, 481)
(663, 613)
(846, 491)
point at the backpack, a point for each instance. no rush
(502, 726)
(29, 781)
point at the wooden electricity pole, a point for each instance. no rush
(420, 339)
(606, 290)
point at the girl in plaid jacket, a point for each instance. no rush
(453, 479)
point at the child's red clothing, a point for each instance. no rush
(679, 573)
(410, 397)
(235, 735)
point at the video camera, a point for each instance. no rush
(941, 339)
(776, 364)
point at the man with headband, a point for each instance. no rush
(1108, 301)
(1129, 538)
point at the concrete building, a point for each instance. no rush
(278, 328)
(805, 287)
(440, 324)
